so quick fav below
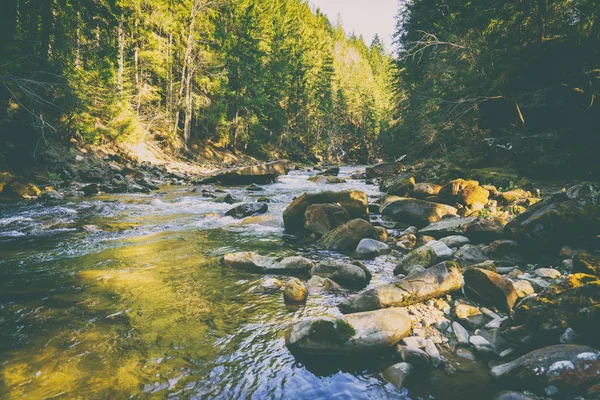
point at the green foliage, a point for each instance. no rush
(269, 77)
(467, 70)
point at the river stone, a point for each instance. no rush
(423, 256)
(556, 221)
(257, 263)
(383, 169)
(348, 235)
(345, 274)
(326, 180)
(463, 192)
(399, 185)
(485, 230)
(371, 248)
(247, 209)
(547, 273)
(565, 366)
(424, 190)
(541, 320)
(316, 284)
(447, 227)
(523, 288)
(462, 335)
(353, 201)
(295, 291)
(587, 264)
(264, 220)
(397, 374)
(455, 241)
(262, 173)
(321, 218)
(433, 282)
(228, 198)
(414, 355)
(359, 333)
(490, 287)
(414, 211)
(488, 265)
(469, 315)
(332, 171)
(471, 254)
(253, 187)
(434, 354)
(442, 251)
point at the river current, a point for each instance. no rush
(123, 296)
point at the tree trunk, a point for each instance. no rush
(46, 29)
(121, 68)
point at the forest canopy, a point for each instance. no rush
(268, 77)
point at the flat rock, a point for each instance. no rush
(262, 173)
(345, 274)
(257, 263)
(447, 227)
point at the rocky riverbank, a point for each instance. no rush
(497, 285)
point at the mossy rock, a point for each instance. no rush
(587, 264)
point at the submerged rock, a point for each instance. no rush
(247, 209)
(358, 333)
(347, 236)
(332, 171)
(414, 211)
(262, 173)
(569, 368)
(329, 180)
(321, 218)
(348, 275)
(353, 201)
(433, 282)
(397, 374)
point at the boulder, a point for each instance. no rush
(523, 288)
(466, 193)
(262, 173)
(247, 209)
(347, 236)
(228, 199)
(253, 187)
(399, 186)
(424, 256)
(321, 218)
(455, 241)
(471, 254)
(568, 368)
(540, 320)
(586, 264)
(345, 274)
(353, 201)
(359, 333)
(424, 190)
(414, 211)
(91, 189)
(370, 248)
(332, 171)
(383, 169)
(316, 284)
(485, 229)
(256, 263)
(448, 227)
(397, 374)
(569, 218)
(462, 335)
(490, 287)
(295, 291)
(513, 196)
(436, 281)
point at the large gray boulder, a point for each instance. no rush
(418, 212)
(436, 281)
(262, 173)
(345, 274)
(353, 201)
(359, 333)
(566, 367)
(447, 227)
(425, 256)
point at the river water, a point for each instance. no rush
(139, 306)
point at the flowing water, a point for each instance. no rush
(141, 307)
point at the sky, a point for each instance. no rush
(364, 17)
